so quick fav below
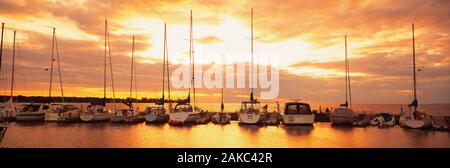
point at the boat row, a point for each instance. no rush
(185, 111)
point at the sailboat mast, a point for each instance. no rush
(251, 71)
(13, 64)
(164, 63)
(131, 71)
(414, 68)
(167, 65)
(59, 70)
(346, 74)
(193, 62)
(1, 46)
(51, 67)
(104, 68)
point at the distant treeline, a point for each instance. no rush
(43, 99)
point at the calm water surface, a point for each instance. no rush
(233, 135)
(210, 135)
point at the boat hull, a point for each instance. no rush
(415, 123)
(70, 116)
(30, 116)
(117, 118)
(95, 117)
(298, 119)
(251, 118)
(221, 118)
(157, 118)
(179, 118)
(342, 116)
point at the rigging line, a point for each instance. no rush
(13, 65)
(414, 68)
(251, 77)
(190, 55)
(349, 81)
(111, 70)
(346, 75)
(104, 68)
(59, 70)
(51, 67)
(193, 62)
(164, 64)
(23, 70)
(168, 71)
(131, 70)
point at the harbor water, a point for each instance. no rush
(322, 134)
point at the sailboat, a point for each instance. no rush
(132, 115)
(221, 117)
(27, 112)
(344, 115)
(183, 112)
(6, 108)
(158, 114)
(59, 112)
(250, 112)
(96, 111)
(414, 118)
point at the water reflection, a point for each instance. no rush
(298, 129)
(106, 134)
(250, 128)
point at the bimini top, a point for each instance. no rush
(183, 107)
(297, 108)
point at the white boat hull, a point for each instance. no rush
(183, 117)
(221, 118)
(63, 117)
(251, 118)
(415, 123)
(94, 117)
(342, 116)
(157, 118)
(300, 119)
(117, 118)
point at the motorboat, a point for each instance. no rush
(298, 113)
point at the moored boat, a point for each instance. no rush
(158, 114)
(414, 118)
(298, 113)
(344, 115)
(383, 120)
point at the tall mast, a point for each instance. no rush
(193, 62)
(347, 74)
(59, 69)
(13, 64)
(104, 68)
(1, 46)
(251, 77)
(51, 67)
(221, 90)
(164, 64)
(167, 65)
(415, 103)
(110, 68)
(131, 71)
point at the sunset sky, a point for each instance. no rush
(307, 35)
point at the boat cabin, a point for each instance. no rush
(250, 106)
(183, 107)
(297, 108)
(34, 107)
